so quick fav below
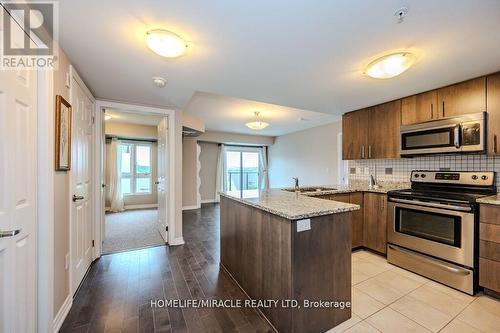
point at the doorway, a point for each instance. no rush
(133, 155)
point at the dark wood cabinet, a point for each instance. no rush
(493, 107)
(419, 108)
(357, 219)
(372, 132)
(462, 98)
(355, 135)
(375, 222)
(383, 129)
(489, 247)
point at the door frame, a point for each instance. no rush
(73, 74)
(99, 208)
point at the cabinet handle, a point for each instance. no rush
(382, 204)
(369, 151)
(432, 111)
(362, 151)
(443, 109)
(495, 143)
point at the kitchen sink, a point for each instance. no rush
(311, 189)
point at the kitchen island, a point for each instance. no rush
(287, 247)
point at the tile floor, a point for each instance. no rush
(386, 298)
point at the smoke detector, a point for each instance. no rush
(159, 81)
(401, 14)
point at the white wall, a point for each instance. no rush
(190, 177)
(208, 171)
(312, 155)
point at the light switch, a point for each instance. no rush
(303, 225)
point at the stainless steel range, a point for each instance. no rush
(433, 227)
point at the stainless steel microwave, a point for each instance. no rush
(465, 133)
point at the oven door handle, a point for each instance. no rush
(448, 267)
(431, 204)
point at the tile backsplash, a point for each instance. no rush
(398, 170)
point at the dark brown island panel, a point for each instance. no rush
(270, 259)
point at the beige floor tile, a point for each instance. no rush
(482, 314)
(357, 277)
(345, 325)
(397, 281)
(388, 321)
(362, 327)
(364, 305)
(361, 254)
(440, 300)
(410, 275)
(422, 313)
(381, 291)
(450, 291)
(368, 268)
(458, 326)
(379, 260)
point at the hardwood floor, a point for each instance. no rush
(116, 295)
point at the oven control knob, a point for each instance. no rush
(474, 177)
(422, 175)
(484, 177)
(416, 175)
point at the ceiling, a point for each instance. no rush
(306, 54)
(132, 118)
(229, 114)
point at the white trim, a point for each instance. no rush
(45, 200)
(172, 149)
(177, 241)
(208, 201)
(143, 206)
(191, 207)
(62, 313)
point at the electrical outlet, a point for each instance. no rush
(388, 171)
(66, 261)
(353, 171)
(303, 225)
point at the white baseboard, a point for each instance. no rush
(62, 313)
(145, 206)
(208, 201)
(177, 241)
(190, 207)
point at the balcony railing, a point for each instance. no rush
(249, 181)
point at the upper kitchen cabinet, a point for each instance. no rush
(462, 98)
(383, 129)
(355, 135)
(419, 108)
(493, 107)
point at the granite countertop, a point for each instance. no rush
(491, 200)
(356, 187)
(290, 205)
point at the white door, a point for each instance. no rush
(81, 181)
(18, 264)
(161, 182)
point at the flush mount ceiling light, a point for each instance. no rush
(390, 65)
(258, 124)
(159, 81)
(165, 43)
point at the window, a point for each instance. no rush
(242, 168)
(135, 167)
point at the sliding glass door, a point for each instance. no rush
(242, 168)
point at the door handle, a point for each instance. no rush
(78, 197)
(157, 182)
(4, 234)
(103, 185)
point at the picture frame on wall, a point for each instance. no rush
(63, 134)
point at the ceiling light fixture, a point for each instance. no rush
(258, 124)
(159, 81)
(165, 43)
(390, 65)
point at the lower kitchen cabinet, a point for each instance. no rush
(375, 222)
(489, 247)
(357, 219)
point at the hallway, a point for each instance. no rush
(116, 294)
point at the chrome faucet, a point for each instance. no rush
(372, 181)
(296, 179)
